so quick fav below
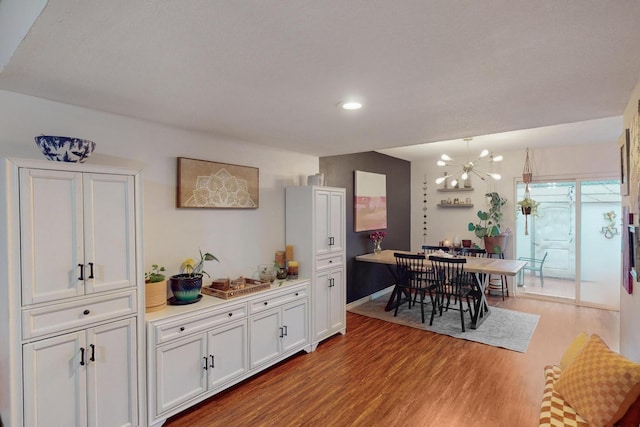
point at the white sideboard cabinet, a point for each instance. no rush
(73, 345)
(195, 351)
(316, 227)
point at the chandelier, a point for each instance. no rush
(470, 167)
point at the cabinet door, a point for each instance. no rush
(321, 295)
(321, 203)
(228, 356)
(265, 334)
(294, 320)
(51, 235)
(181, 372)
(337, 300)
(55, 378)
(109, 232)
(112, 390)
(336, 221)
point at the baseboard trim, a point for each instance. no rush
(369, 297)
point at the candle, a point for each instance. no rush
(292, 269)
(280, 258)
(289, 252)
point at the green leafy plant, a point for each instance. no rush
(528, 204)
(193, 269)
(489, 222)
(155, 275)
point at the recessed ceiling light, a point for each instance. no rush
(351, 105)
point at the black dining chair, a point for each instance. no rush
(411, 279)
(428, 249)
(451, 281)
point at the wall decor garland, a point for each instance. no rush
(424, 210)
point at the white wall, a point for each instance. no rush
(630, 304)
(241, 239)
(592, 160)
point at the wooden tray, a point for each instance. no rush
(250, 286)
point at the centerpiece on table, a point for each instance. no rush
(376, 237)
(187, 284)
(488, 226)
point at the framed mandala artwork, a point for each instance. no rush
(206, 184)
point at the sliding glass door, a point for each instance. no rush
(572, 242)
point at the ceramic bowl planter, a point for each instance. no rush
(185, 287)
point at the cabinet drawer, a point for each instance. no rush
(269, 301)
(54, 318)
(329, 262)
(187, 325)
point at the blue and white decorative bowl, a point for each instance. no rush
(64, 148)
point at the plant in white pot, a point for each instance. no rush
(187, 284)
(488, 226)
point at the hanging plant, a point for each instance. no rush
(528, 206)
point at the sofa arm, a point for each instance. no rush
(554, 410)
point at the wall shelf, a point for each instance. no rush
(450, 190)
(455, 205)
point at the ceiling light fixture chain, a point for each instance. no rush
(470, 167)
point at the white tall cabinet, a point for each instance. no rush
(71, 265)
(315, 226)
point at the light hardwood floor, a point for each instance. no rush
(382, 374)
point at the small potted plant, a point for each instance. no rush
(528, 206)
(488, 226)
(155, 288)
(187, 284)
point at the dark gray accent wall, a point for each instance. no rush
(363, 279)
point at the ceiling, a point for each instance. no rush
(273, 72)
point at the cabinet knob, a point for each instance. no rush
(265, 303)
(330, 261)
(230, 314)
(86, 312)
(296, 294)
(181, 328)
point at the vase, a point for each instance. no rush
(377, 248)
(185, 287)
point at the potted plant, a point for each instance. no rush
(155, 288)
(488, 226)
(187, 284)
(528, 206)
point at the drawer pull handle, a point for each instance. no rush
(285, 330)
(265, 303)
(81, 356)
(213, 365)
(206, 367)
(281, 332)
(93, 353)
(81, 271)
(181, 328)
(90, 270)
(86, 312)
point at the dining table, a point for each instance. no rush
(482, 267)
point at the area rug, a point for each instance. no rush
(502, 328)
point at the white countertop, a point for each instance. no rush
(209, 301)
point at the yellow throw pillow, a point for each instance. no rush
(600, 384)
(573, 350)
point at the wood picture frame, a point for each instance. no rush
(624, 147)
(206, 184)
